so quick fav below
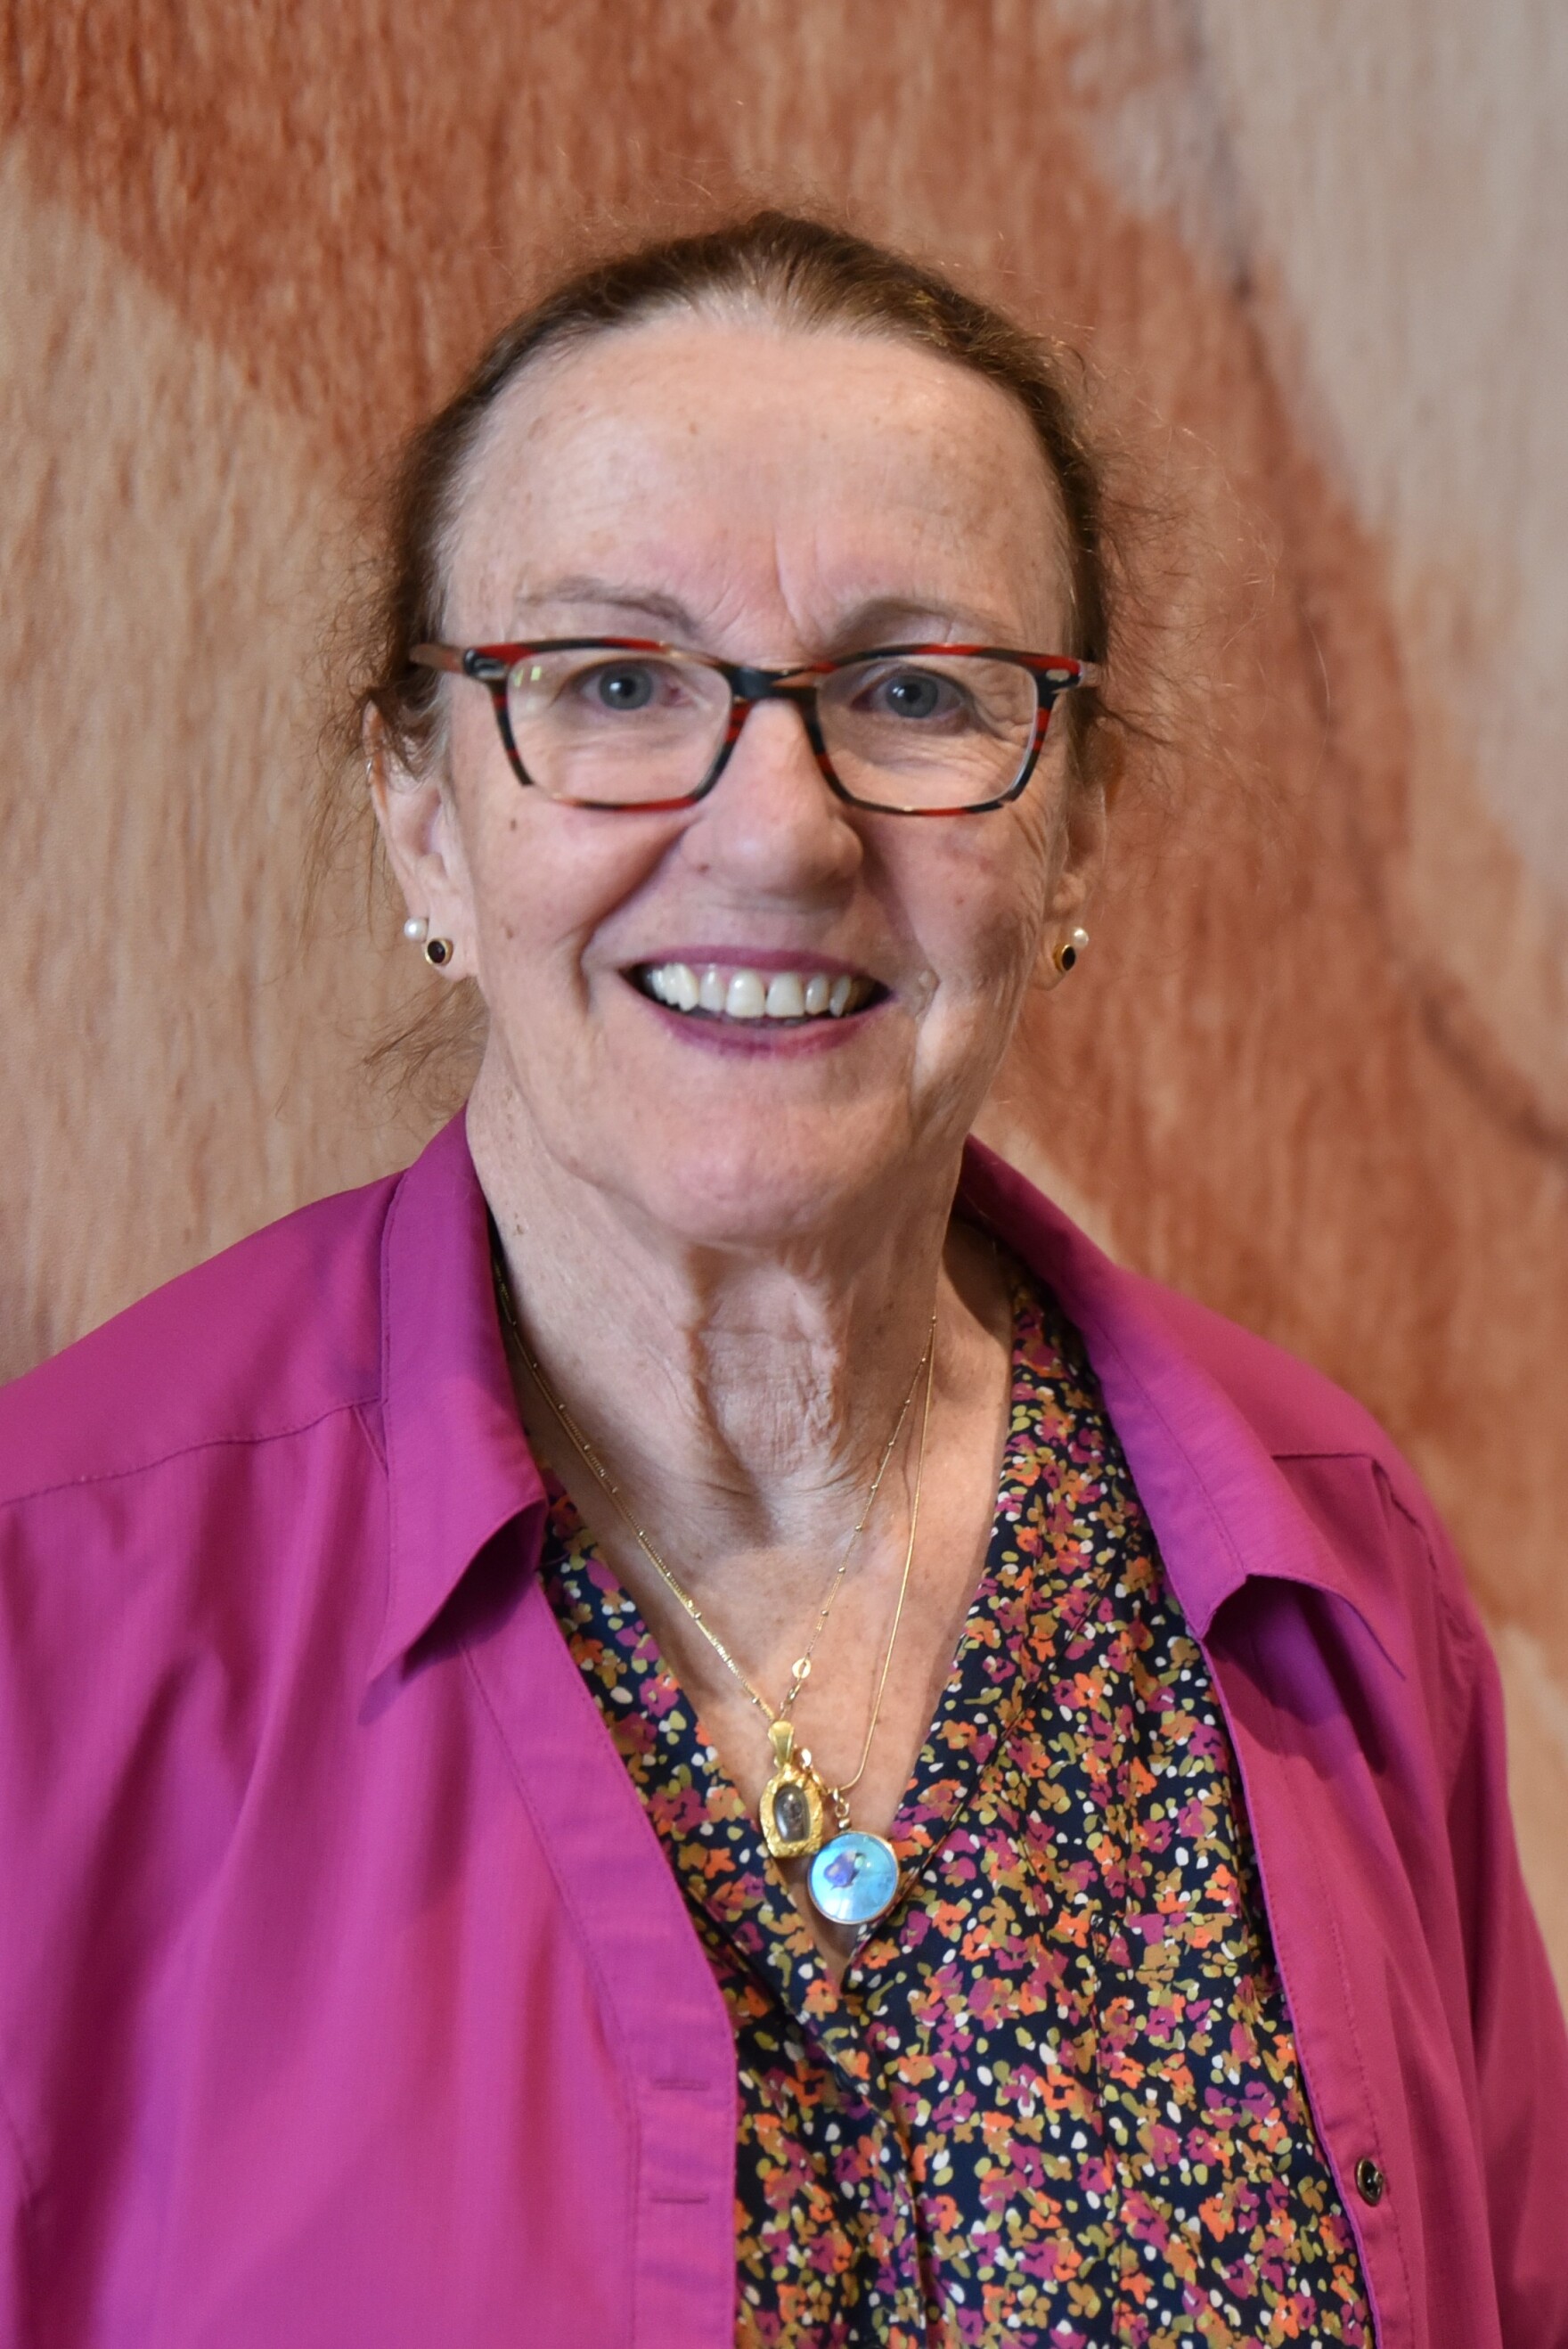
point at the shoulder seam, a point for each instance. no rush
(184, 1451)
(377, 1448)
(1460, 1629)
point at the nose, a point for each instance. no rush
(773, 827)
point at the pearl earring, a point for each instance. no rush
(1067, 954)
(416, 929)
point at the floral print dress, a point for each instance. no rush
(1056, 2099)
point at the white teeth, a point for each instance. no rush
(674, 983)
(786, 997)
(744, 994)
(747, 998)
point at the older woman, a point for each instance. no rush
(694, 1721)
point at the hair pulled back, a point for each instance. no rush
(805, 273)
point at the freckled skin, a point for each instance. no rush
(774, 483)
(728, 1260)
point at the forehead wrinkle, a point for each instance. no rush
(552, 407)
(860, 624)
(606, 595)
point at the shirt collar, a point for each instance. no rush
(459, 1470)
(1222, 1510)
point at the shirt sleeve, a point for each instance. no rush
(15, 2328)
(1516, 2018)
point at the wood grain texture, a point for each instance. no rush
(243, 249)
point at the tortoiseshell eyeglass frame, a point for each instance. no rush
(490, 665)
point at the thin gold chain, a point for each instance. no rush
(840, 1792)
(803, 1666)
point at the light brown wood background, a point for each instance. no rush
(1315, 1069)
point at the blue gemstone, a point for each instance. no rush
(854, 1879)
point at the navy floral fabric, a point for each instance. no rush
(1056, 2099)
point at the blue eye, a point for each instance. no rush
(626, 687)
(916, 697)
(914, 694)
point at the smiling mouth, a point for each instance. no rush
(733, 991)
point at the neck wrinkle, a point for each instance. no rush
(744, 1399)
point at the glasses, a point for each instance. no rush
(909, 729)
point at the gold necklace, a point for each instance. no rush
(794, 1799)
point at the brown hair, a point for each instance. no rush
(807, 273)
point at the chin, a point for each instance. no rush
(753, 1190)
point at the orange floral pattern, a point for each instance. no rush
(1057, 2100)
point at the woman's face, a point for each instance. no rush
(772, 497)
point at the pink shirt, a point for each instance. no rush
(346, 1996)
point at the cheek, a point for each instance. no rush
(529, 900)
(984, 905)
(544, 882)
(496, 819)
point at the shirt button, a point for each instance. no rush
(1370, 2181)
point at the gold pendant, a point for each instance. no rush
(793, 1810)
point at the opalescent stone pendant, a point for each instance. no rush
(853, 1880)
(794, 1816)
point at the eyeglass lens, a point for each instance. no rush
(616, 730)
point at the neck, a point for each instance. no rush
(740, 1396)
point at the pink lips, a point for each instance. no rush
(768, 1001)
(767, 1036)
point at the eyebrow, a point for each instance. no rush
(887, 618)
(610, 594)
(881, 619)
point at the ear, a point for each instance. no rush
(420, 836)
(1085, 823)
